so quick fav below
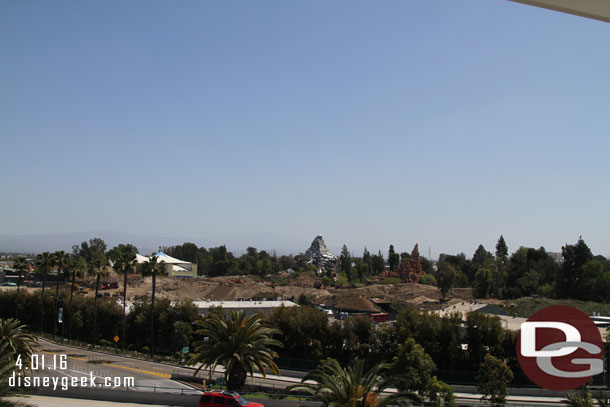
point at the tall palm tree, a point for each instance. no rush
(351, 386)
(125, 264)
(60, 261)
(21, 265)
(242, 344)
(75, 268)
(153, 268)
(97, 268)
(44, 263)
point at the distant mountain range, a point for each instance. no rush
(148, 244)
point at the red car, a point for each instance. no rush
(225, 399)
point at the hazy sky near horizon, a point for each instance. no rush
(442, 123)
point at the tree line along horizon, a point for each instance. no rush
(527, 271)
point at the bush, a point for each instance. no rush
(427, 279)
(106, 343)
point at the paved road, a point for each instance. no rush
(146, 373)
(152, 384)
(69, 367)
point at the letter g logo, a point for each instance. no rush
(554, 346)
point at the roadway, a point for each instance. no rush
(152, 385)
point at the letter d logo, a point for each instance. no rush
(559, 348)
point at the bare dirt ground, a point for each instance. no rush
(234, 288)
(240, 287)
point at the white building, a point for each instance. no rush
(173, 267)
(249, 307)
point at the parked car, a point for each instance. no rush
(225, 399)
(8, 284)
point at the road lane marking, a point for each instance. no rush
(164, 375)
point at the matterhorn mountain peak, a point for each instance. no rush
(319, 255)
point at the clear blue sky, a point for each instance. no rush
(445, 123)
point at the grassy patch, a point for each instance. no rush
(524, 307)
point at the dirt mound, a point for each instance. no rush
(236, 287)
(355, 303)
(222, 292)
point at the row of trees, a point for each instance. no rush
(92, 259)
(528, 271)
(244, 344)
(171, 323)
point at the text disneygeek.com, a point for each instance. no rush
(24, 376)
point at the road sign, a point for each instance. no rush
(116, 338)
(221, 381)
(185, 350)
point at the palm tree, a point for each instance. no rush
(21, 265)
(44, 263)
(242, 344)
(15, 345)
(61, 259)
(351, 386)
(17, 341)
(97, 268)
(125, 263)
(581, 397)
(153, 268)
(75, 268)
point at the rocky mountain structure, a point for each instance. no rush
(319, 255)
(410, 269)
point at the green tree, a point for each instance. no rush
(412, 370)
(242, 344)
(76, 267)
(91, 250)
(574, 258)
(345, 262)
(19, 343)
(14, 345)
(21, 265)
(60, 261)
(501, 250)
(183, 334)
(482, 283)
(304, 331)
(445, 278)
(582, 397)
(493, 379)
(412, 367)
(153, 269)
(393, 258)
(484, 333)
(97, 267)
(127, 249)
(427, 279)
(378, 263)
(352, 386)
(44, 264)
(480, 255)
(124, 263)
